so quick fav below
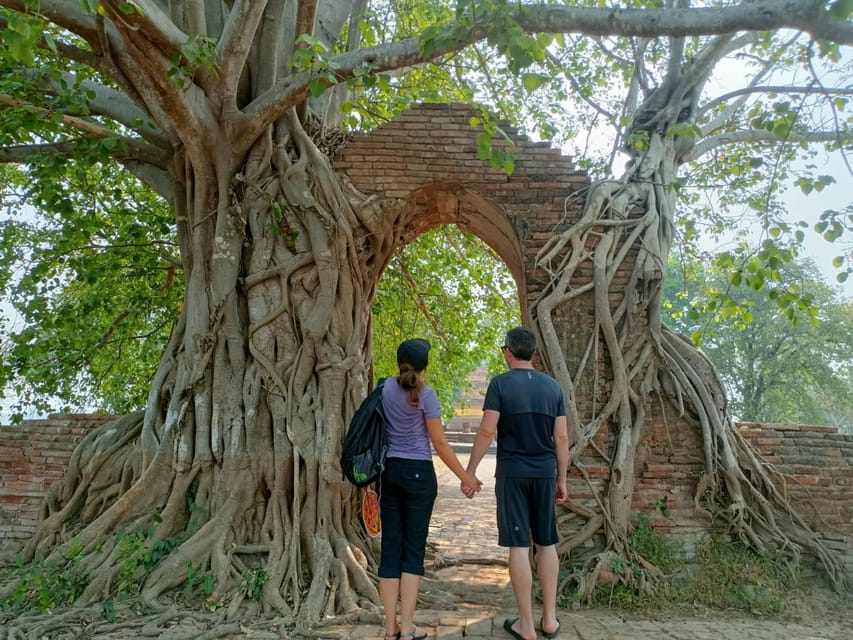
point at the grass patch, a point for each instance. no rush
(730, 575)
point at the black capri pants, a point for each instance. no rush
(408, 489)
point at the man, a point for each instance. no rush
(525, 409)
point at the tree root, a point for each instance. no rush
(621, 220)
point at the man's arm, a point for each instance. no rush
(485, 434)
(561, 441)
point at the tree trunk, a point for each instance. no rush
(235, 463)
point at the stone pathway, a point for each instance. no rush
(466, 529)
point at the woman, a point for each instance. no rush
(409, 486)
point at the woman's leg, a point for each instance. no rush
(421, 491)
(389, 590)
(391, 511)
(410, 584)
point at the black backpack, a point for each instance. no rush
(366, 442)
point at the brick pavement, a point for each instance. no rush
(464, 529)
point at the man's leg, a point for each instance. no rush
(521, 578)
(548, 569)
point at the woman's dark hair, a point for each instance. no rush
(410, 381)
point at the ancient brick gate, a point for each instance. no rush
(422, 168)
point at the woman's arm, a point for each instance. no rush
(448, 456)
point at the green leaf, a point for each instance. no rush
(533, 81)
(841, 9)
(317, 87)
(484, 146)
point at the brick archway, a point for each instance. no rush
(423, 167)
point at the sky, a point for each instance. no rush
(809, 208)
(728, 76)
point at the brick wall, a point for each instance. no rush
(423, 166)
(816, 465)
(813, 465)
(33, 455)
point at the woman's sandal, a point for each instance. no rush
(393, 636)
(414, 634)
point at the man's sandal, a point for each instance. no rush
(414, 634)
(550, 634)
(393, 636)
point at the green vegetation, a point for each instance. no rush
(253, 583)
(44, 585)
(725, 574)
(453, 290)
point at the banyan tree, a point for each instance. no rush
(229, 112)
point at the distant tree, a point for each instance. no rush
(777, 366)
(839, 414)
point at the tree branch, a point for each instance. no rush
(759, 16)
(755, 135)
(150, 21)
(127, 150)
(234, 45)
(763, 15)
(107, 102)
(570, 78)
(64, 13)
(786, 89)
(115, 105)
(92, 128)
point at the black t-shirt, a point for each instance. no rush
(528, 402)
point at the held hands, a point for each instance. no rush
(470, 485)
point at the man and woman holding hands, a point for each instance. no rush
(525, 410)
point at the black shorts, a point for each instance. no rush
(526, 509)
